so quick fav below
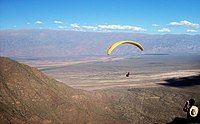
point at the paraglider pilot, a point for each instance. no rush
(127, 75)
(192, 111)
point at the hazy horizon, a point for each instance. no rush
(57, 43)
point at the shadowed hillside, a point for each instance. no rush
(27, 95)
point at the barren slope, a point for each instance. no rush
(27, 95)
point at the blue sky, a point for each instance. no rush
(143, 16)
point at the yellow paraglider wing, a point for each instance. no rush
(116, 44)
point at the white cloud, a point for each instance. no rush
(39, 22)
(155, 25)
(28, 23)
(185, 23)
(120, 27)
(74, 26)
(191, 31)
(58, 22)
(175, 24)
(164, 30)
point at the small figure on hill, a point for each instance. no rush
(192, 111)
(127, 74)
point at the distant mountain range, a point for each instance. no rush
(60, 43)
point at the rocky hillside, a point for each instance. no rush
(29, 96)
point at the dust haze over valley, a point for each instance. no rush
(79, 58)
(66, 77)
(44, 43)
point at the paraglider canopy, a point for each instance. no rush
(116, 44)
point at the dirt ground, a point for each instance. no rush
(143, 97)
